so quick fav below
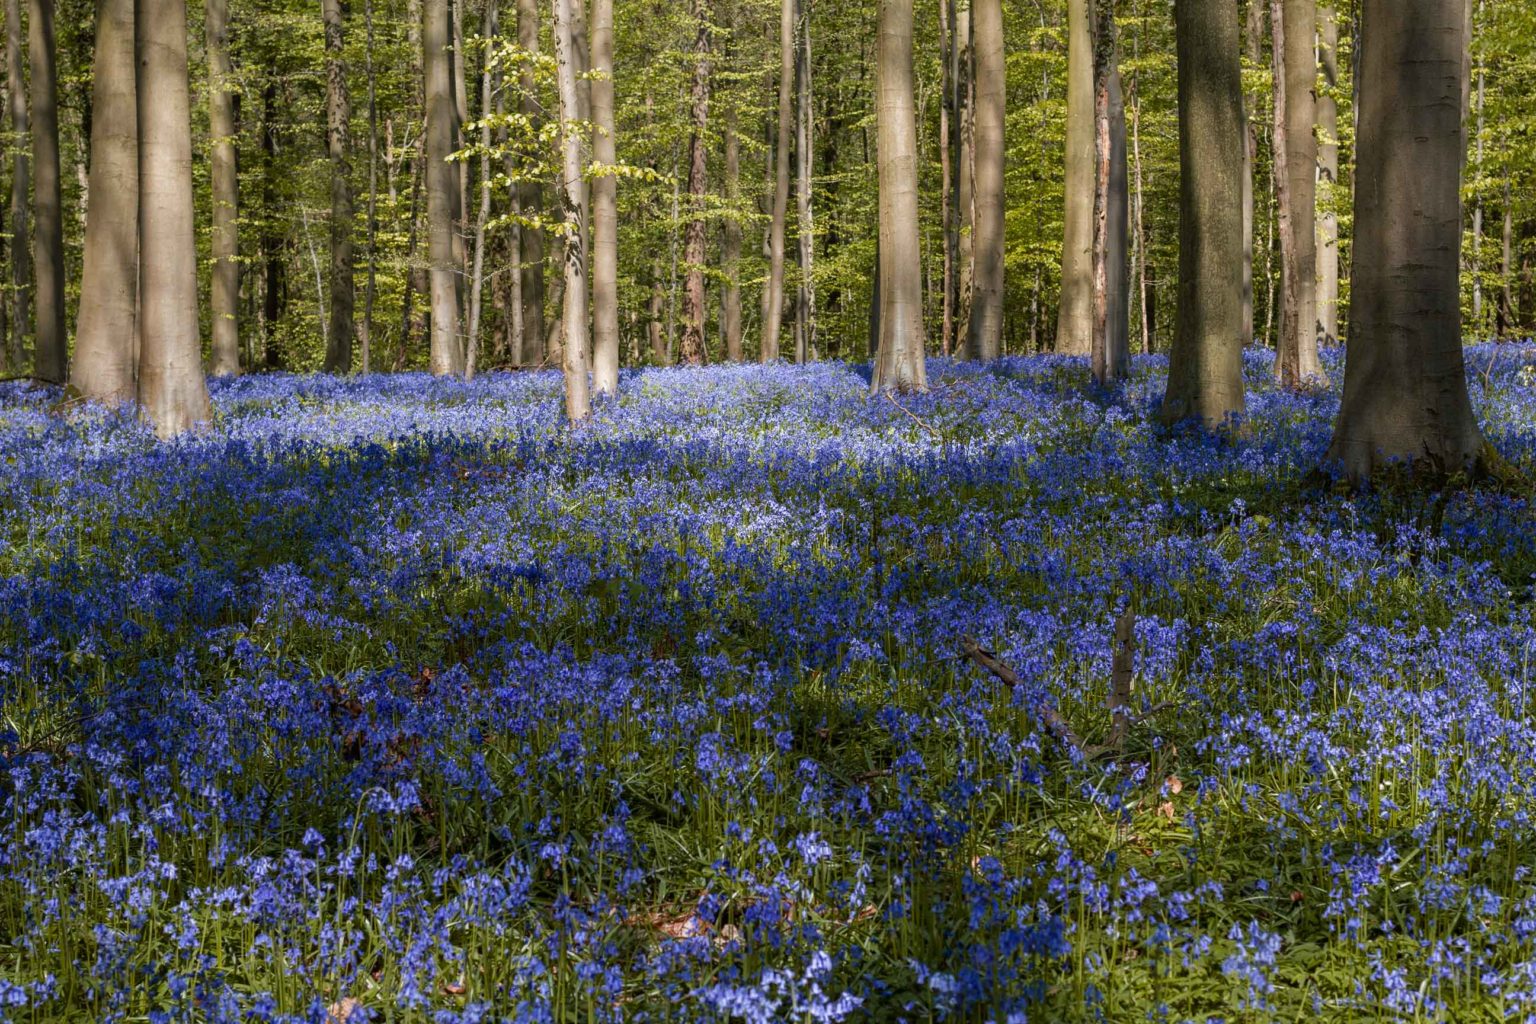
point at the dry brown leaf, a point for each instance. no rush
(347, 1011)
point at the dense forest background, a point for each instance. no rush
(507, 139)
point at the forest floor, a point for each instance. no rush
(394, 699)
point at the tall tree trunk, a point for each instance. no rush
(1294, 28)
(984, 339)
(338, 348)
(1074, 325)
(1254, 38)
(946, 208)
(1508, 322)
(1328, 178)
(805, 305)
(224, 238)
(447, 355)
(172, 392)
(51, 350)
(899, 361)
(1478, 324)
(530, 201)
(605, 209)
(21, 188)
(370, 289)
(730, 305)
(104, 366)
(656, 312)
(274, 285)
(1111, 277)
(773, 299)
(966, 174)
(1405, 385)
(573, 201)
(488, 30)
(1138, 199)
(693, 351)
(1205, 368)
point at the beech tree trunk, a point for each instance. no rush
(173, 395)
(1205, 367)
(984, 338)
(1074, 322)
(948, 53)
(370, 289)
(773, 298)
(104, 366)
(446, 354)
(1255, 44)
(899, 360)
(605, 209)
(1294, 28)
(224, 238)
(1110, 350)
(692, 347)
(338, 348)
(1405, 384)
(530, 203)
(51, 345)
(21, 188)
(1328, 178)
(805, 303)
(573, 202)
(488, 30)
(730, 257)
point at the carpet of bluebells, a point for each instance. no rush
(394, 699)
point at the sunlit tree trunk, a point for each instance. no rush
(730, 257)
(51, 345)
(1254, 38)
(1328, 178)
(488, 30)
(805, 304)
(104, 361)
(692, 350)
(773, 298)
(1405, 385)
(899, 360)
(224, 238)
(1074, 323)
(1294, 28)
(605, 208)
(530, 201)
(338, 348)
(573, 201)
(447, 356)
(21, 187)
(1205, 368)
(984, 339)
(173, 395)
(370, 289)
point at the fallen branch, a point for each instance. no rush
(1058, 725)
(915, 418)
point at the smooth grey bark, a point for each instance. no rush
(21, 188)
(488, 29)
(1117, 255)
(984, 336)
(1074, 322)
(1254, 38)
(899, 361)
(104, 365)
(173, 394)
(224, 237)
(948, 51)
(773, 297)
(605, 208)
(692, 350)
(573, 202)
(1205, 367)
(1405, 384)
(370, 288)
(730, 256)
(805, 300)
(530, 202)
(51, 351)
(1328, 178)
(1294, 29)
(343, 295)
(966, 173)
(446, 354)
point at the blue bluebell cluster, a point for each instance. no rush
(395, 699)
